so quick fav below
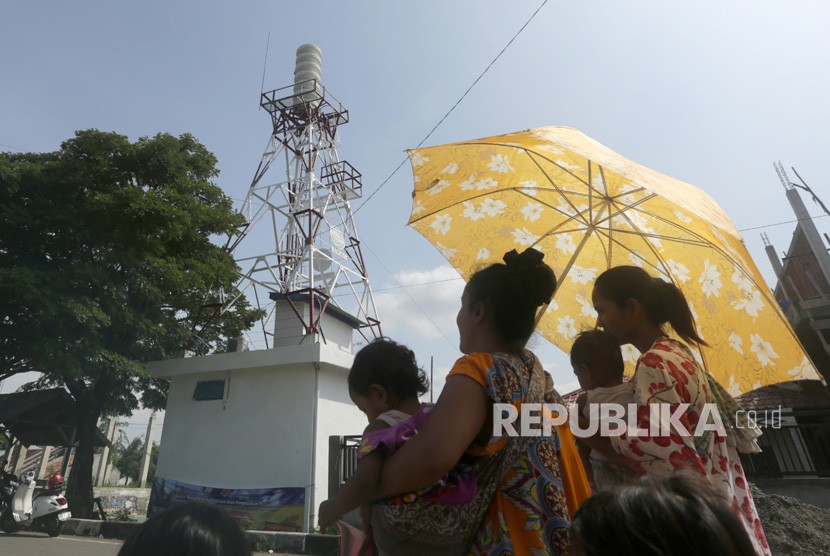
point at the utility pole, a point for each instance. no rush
(148, 449)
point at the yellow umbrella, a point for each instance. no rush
(588, 209)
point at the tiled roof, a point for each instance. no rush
(805, 394)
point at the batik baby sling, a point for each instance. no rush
(425, 527)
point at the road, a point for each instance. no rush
(37, 544)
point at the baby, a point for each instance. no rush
(598, 365)
(384, 383)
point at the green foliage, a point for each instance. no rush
(106, 263)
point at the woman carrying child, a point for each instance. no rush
(384, 383)
(525, 485)
(633, 307)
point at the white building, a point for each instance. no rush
(268, 417)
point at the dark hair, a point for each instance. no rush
(598, 350)
(388, 364)
(663, 301)
(189, 529)
(513, 291)
(674, 516)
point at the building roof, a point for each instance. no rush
(43, 417)
(803, 394)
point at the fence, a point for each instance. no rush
(342, 460)
(793, 449)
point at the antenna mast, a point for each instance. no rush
(311, 262)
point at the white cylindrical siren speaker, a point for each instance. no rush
(307, 72)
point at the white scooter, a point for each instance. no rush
(30, 508)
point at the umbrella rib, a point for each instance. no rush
(630, 250)
(555, 163)
(556, 187)
(701, 240)
(641, 234)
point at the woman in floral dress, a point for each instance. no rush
(633, 307)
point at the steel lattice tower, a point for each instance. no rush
(301, 194)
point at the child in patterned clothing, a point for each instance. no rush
(384, 383)
(598, 365)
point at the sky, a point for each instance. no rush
(710, 93)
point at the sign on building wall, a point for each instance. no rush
(262, 509)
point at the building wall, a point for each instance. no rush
(338, 416)
(259, 437)
(271, 429)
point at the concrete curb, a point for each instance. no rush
(261, 541)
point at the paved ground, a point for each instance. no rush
(37, 544)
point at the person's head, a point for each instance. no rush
(505, 297)
(674, 516)
(383, 374)
(189, 529)
(626, 298)
(597, 360)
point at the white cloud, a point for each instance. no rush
(437, 291)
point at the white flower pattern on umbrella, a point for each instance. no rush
(734, 388)
(582, 275)
(448, 252)
(763, 350)
(751, 303)
(524, 237)
(742, 280)
(636, 259)
(710, 279)
(678, 270)
(801, 370)
(587, 308)
(471, 211)
(627, 192)
(417, 207)
(469, 183)
(567, 327)
(438, 186)
(565, 243)
(570, 210)
(441, 224)
(417, 159)
(500, 164)
(450, 168)
(736, 342)
(483, 254)
(486, 183)
(552, 306)
(550, 148)
(630, 353)
(694, 317)
(567, 165)
(682, 217)
(492, 207)
(529, 187)
(532, 211)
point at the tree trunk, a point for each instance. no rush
(79, 488)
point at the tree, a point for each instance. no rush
(106, 263)
(129, 456)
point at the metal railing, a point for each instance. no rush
(342, 460)
(791, 450)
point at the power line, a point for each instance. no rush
(428, 135)
(412, 299)
(782, 223)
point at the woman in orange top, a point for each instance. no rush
(541, 477)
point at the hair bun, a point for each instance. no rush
(525, 260)
(529, 277)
